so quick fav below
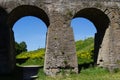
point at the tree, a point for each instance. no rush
(20, 47)
(23, 46)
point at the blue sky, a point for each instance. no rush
(33, 31)
(82, 28)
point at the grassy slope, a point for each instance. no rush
(85, 45)
(84, 50)
(37, 57)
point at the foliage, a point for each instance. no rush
(20, 47)
(95, 73)
(32, 54)
(35, 57)
(85, 45)
(35, 61)
(85, 55)
(84, 49)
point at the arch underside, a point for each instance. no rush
(27, 10)
(99, 18)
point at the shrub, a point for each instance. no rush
(35, 57)
(84, 57)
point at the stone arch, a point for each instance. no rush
(98, 17)
(101, 22)
(13, 16)
(27, 10)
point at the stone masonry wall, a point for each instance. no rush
(60, 49)
(103, 55)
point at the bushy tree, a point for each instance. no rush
(20, 47)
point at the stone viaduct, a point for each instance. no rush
(60, 44)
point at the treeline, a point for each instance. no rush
(20, 47)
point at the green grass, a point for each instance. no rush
(34, 57)
(35, 61)
(85, 74)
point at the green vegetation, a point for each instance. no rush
(85, 45)
(84, 49)
(95, 73)
(20, 47)
(35, 57)
(85, 74)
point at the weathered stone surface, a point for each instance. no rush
(60, 47)
(103, 55)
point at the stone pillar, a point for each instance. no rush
(109, 53)
(114, 49)
(103, 54)
(5, 57)
(60, 47)
(4, 50)
(12, 53)
(7, 51)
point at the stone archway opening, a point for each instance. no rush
(16, 14)
(34, 31)
(84, 32)
(101, 22)
(86, 26)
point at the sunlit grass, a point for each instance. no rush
(85, 74)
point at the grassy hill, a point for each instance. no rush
(83, 49)
(35, 57)
(85, 45)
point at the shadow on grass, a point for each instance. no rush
(85, 66)
(21, 61)
(16, 75)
